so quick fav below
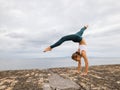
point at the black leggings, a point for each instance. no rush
(73, 37)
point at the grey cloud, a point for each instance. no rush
(15, 35)
(46, 21)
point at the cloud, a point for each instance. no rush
(28, 27)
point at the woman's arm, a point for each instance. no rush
(79, 66)
(86, 62)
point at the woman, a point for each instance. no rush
(73, 37)
(81, 53)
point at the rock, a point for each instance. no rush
(46, 86)
(41, 80)
(36, 74)
(3, 87)
(49, 74)
(104, 77)
(59, 83)
(32, 73)
(27, 75)
(118, 82)
(9, 88)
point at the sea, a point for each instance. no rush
(45, 63)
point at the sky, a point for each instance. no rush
(27, 27)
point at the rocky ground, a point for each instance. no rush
(104, 77)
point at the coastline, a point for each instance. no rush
(100, 77)
(45, 63)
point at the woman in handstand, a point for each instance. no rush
(73, 37)
(81, 53)
(81, 50)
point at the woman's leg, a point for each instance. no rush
(80, 33)
(63, 39)
(86, 62)
(59, 42)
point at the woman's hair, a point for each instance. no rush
(74, 55)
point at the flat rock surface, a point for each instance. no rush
(60, 83)
(103, 77)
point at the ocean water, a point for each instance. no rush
(44, 63)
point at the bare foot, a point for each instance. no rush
(86, 26)
(47, 49)
(83, 74)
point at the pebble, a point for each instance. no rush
(118, 82)
(36, 74)
(27, 75)
(32, 73)
(9, 88)
(3, 87)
